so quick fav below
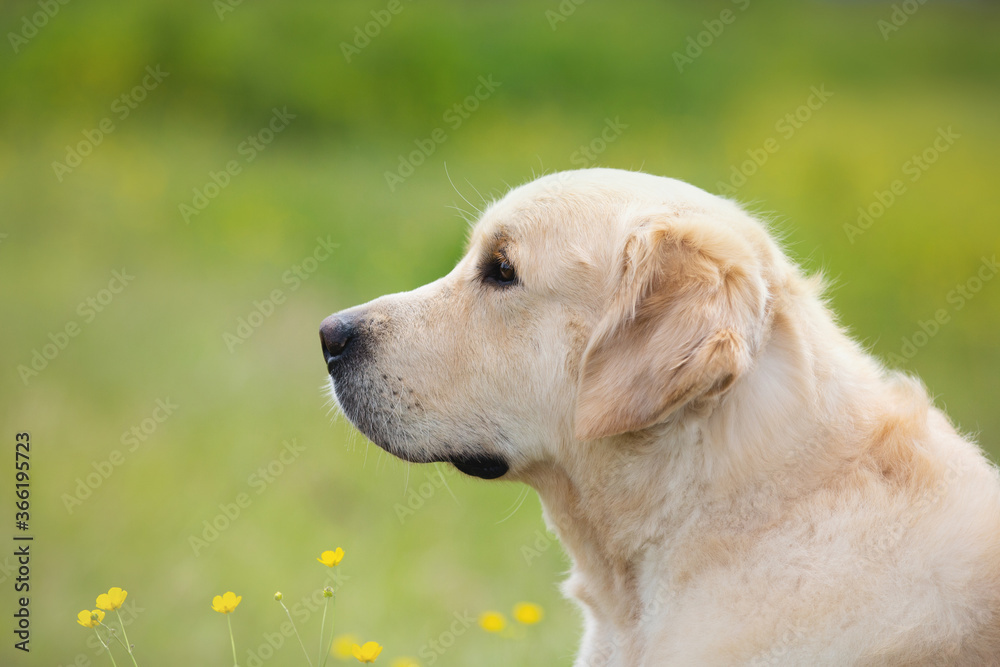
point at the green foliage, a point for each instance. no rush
(323, 176)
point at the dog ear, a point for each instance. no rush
(685, 323)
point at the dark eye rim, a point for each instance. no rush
(499, 271)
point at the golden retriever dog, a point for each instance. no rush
(736, 480)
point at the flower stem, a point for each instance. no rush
(125, 634)
(114, 633)
(296, 632)
(322, 627)
(330, 647)
(236, 663)
(106, 647)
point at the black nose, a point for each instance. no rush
(335, 334)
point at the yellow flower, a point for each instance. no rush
(225, 604)
(343, 646)
(528, 613)
(331, 558)
(90, 619)
(405, 662)
(366, 653)
(111, 600)
(492, 621)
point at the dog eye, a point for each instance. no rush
(505, 272)
(500, 271)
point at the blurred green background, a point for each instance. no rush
(564, 72)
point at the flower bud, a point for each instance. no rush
(277, 596)
(328, 592)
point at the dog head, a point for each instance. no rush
(589, 304)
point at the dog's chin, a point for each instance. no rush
(483, 466)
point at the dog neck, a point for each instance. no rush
(602, 518)
(674, 499)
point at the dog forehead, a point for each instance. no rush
(560, 206)
(575, 224)
(613, 184)
(587, 208)
(550, 235)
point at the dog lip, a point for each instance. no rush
(484, 466)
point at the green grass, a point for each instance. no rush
(463, 549)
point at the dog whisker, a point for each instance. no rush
(522, 496)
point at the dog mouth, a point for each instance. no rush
(384, 433)
(363, 403)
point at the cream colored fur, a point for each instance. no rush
(736, 480)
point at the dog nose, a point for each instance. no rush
(335, 334)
